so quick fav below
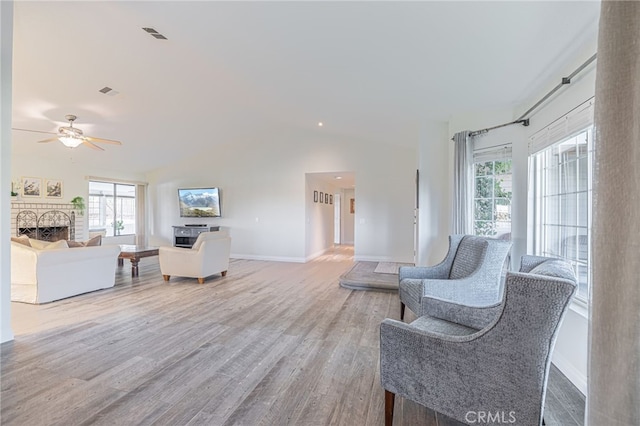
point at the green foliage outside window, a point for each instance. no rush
(492, 197)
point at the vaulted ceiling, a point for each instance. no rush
(254, 72)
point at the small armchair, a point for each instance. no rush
(461, 360)
(209, 255)
(470, 274)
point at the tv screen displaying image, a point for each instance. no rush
(199, 202)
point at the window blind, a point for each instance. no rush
(495, 153)
(565, 127)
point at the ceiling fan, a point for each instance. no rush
(73, 137)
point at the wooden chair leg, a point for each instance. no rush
(389, 400)
(166, 277)
(201, 280)
(224, 273)
(543, 423)
(401, 311)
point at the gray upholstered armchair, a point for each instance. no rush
(471, 274)
(460, 360)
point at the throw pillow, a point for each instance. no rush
(22, 239)
(95, 241)
(57, 245)
(38, 244)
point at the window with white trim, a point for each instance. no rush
(561, 185)
(492, 190)
(112, 208)
(492, 198)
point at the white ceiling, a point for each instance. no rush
(244, 72)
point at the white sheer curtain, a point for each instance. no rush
(141, 214)
(462, 184)
(614, 329)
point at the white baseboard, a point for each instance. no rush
(268, 258)
(373, 259)
(578, 378)
(317, 254)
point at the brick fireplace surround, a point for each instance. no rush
(40, 208)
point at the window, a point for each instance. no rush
(112, 208)
(562, 200)
(492, 198)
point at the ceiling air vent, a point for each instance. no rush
(108, 91)
(154, 33)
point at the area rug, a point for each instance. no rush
(362, 276)
(387, 268)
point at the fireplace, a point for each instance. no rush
(47, 233)
(52, 225)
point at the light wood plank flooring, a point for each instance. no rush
(269, 344)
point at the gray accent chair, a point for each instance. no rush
(461, 360)
(470, 274)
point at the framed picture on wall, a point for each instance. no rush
(326, 198)
(330, 198)
(31, 187)
(315, 196)
(352, 205)
(53, 188)
(321, 197)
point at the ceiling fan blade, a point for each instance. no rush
(94, 139)
(91, 145)
(48, 140)
(34, 131)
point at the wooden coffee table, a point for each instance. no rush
(135, 253)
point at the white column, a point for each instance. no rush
(6, 47)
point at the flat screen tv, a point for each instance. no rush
(199, 202)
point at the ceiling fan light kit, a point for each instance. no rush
(73, 137)
(70, 136)
(70, 141)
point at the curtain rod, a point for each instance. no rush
(564, 81)
(525, 121)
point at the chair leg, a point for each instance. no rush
(543, 423)
(201, 280)
(166, 277)
(389, 399)
(401, 311)
(223, 273)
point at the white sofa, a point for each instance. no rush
(209, 255)
(44, 275)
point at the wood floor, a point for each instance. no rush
(269, 344)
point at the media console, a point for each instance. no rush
(186, 236)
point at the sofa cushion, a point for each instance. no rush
(468, 257)
(22, 239)
(555, 268)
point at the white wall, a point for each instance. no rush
(434, 215)
(348, 222)
(320, 217)
(264, 195)
(6, 39)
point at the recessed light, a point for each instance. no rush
(338, 177)
(320, 124)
